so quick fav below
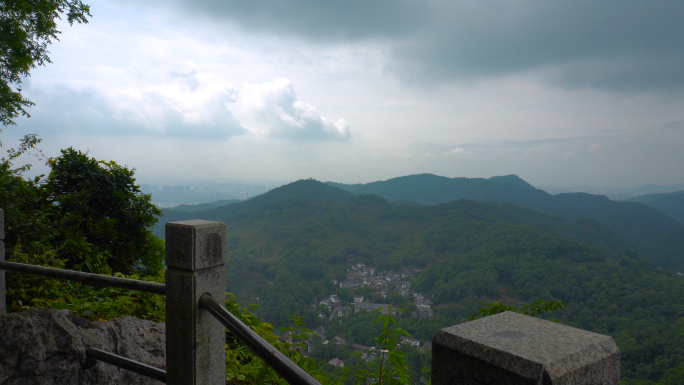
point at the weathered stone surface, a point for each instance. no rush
(47, 347)
(196, 244)
(195, 343)
(510, 348)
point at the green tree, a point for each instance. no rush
(84, 209)
(98, 203)
(27, 27)
(394, 368)
(20, 198)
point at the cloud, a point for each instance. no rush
(674, 126)
(153, 111)
(322, 21)
(610, 45)
(283, 115)
(607, 45)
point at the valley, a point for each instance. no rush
(309, 240)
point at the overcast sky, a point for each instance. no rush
(560, 93)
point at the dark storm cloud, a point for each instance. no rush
(613, 45)
(315, 19)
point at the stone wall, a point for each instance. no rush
(47, 347)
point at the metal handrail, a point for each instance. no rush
(267, 352)
(87, 278)
(128, 364)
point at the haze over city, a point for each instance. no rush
(558, 93)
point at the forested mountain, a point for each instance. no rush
(305, 189)
(645, 227)
(671, 204)
(289, 254)
(607, 223)
(294, 244)
(429, 189)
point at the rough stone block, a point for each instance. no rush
(196, 244)
(510, 348)
(47, 347)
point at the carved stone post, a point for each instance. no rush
(3, 310)
(510, 348)
(195, 341)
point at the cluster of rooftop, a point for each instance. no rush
(360, 275)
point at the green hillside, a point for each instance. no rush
(290, 245)
(288, 254)
(296, 193)
(429, 189)
(671, 204)
(641, 225)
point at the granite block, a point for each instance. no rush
(511, 348)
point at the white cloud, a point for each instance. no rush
(158, 110)
(282, 115)
(456, 150)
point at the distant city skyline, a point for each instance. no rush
(563, 94)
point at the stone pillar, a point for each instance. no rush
(3, 304)
(511, 348)
(195, 341)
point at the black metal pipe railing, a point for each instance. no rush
(87, 278)
(274, 358)
(128, 364)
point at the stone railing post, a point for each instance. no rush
(195, 341)
(510, 348)
(3, 303)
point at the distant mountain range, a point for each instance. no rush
(671, 204)
(467, 241)
(656, 189)
(637, 225)
(632, 220)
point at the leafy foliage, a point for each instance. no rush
(393, 362)
(27, 27)
(83, 208)
(78, 218)
(26, 291)
(532, 309)
(97, 203)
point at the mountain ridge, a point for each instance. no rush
(641, 227)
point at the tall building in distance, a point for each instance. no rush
(173, 195)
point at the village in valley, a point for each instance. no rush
(362, 278)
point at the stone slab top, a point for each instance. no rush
(195, 244)
(521, 343)
(194, 223)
